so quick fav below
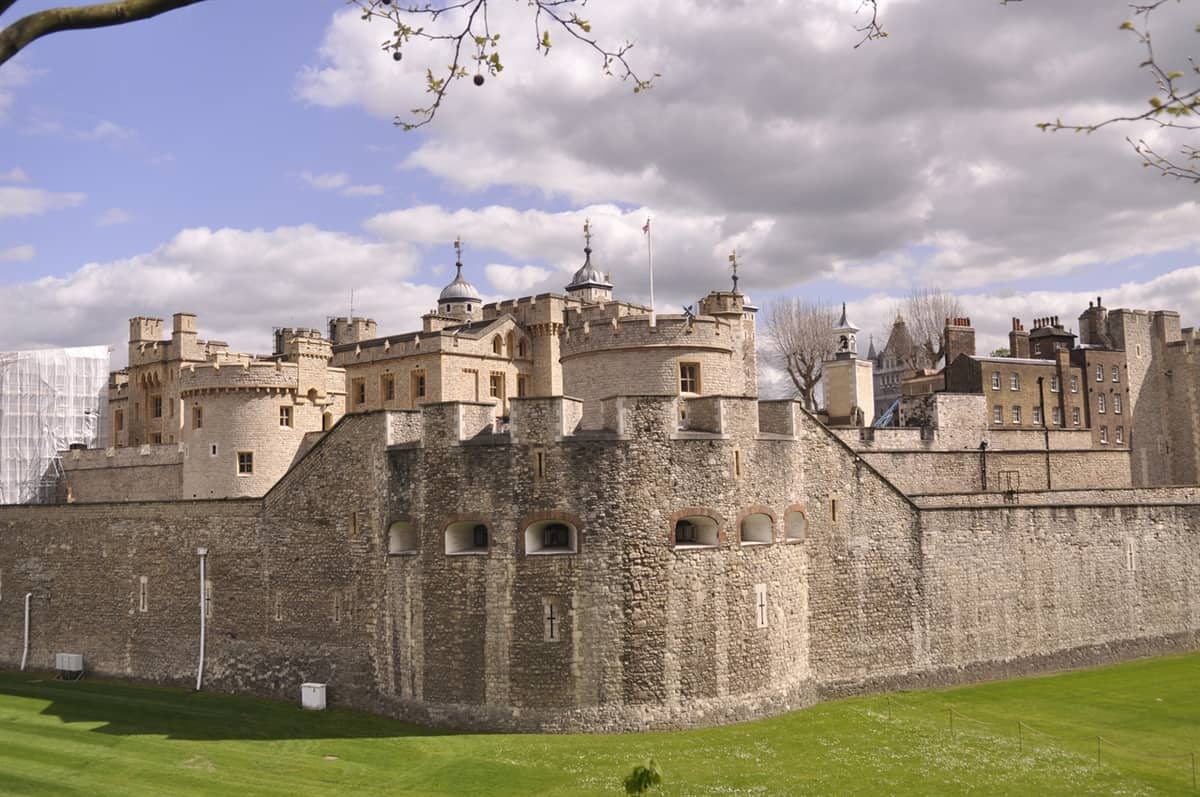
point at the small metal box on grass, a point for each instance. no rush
(312, 696)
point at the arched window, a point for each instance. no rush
(795, 525)
(467, 536)
(696, 531)
(497, 345)
(523, 348)
(757, 529)
(509, 342)
(402, 537)
(550, 537)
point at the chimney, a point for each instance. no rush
(1018, 340)
(959, 338)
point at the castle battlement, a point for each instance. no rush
(699, 332)
(275, 375)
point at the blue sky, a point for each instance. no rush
(238, 160)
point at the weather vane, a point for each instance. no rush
(458, 249)
(587, 233)
(733, 264)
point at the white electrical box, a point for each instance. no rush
(312, 696)
(68, 662)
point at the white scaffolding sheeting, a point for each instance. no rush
(49, 400)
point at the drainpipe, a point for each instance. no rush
(203, 553)
(25, 650)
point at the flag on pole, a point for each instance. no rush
(646, 227)
(650, 263)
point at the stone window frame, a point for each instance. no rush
(1014, 381)
(995, 380)
(1037, 416)
(1116, 374)
(749, 511)
(762, 611)
(1057, 415)
(695, 380)
(1116, 403)
(245, 467)
(522, 385)
(1016, 414)
(1119, 435)
(1099, 373)
(497, 345)
(156, 405)
(1101, 403)
(1075, 416)
(474, 518)
(287, 417)
(497, 385)
(358, 391)
(197, 416)
(1074, 384)
(798, 509)
(998, 413)
(409, 543)
(119, 421)
(528, 522)
(417, 385)
(697, 511)
(1055, 383)
(1104, 435)
(387, 387)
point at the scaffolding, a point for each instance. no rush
(50, 400)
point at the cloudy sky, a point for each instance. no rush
(237, 160)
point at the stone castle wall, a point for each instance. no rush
(873, 591)
(142, 473)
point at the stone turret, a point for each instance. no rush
(589, 284)
(847, 381)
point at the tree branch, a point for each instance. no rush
(99, 15)
(5, 5)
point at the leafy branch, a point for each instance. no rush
(482, 47)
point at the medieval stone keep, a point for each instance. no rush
(563, 513)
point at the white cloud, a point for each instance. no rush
(15, 75)
(18, 202)
(514, 280)
(240, 283)
(113, 216)
(340, 182)
(14, 175)
(17, 254)
(106, 130)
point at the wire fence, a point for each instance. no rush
(1026, 733)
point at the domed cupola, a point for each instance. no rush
(589, 283)
(460, 298)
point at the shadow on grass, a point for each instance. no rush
(130, 710)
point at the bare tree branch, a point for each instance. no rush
(871, 30)
(800, 338)
(5, 5)
(482, 45)
(99, 15)
(927, 309)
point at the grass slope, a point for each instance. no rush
(95, 737)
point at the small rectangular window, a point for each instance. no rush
(1100, 403)
(833, 508)
(760, 605)
(551, 619)
(119, 421)
(1057, 415)
(1074, 416)
(285, 417)
(1037, 348)
(1037, 415)
(1103, 434)
(539, 464)
(156, 438)
(1014, 381)
(1016, 414)
(995, 380)
(1130, 555)
(143, 597)
(197, 417)
(1074, 384)
(496, 384)
(358, 392)
(1099, 373)
(689, 377)
(737, 464)
(245, 462)
(418, 385)
(156, 406)
(1120, 434)
(997, 414)
(1116, 374)
(1054, 384)
(213, 450)
(522, 385)
(387, 387)
(1117, 403)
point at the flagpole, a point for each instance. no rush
(650, 261)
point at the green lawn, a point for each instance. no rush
(94, 737)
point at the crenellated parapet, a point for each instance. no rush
(254, 376)
(585, 336)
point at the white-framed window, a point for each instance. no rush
(689, 377)
(1037, 348)
(995, 380)
(997, 414)
(1099, 373)
(1037, 415)
(1056, 414)
(1054, 383)
(1074, 416)
(285, 417)
(1074, 384)
(1119, 434)
(1117, 403)
(1014, 381)
(1103, 434)
(245, 462)
(1116, 374)
(1016, 414)
(1101, 403)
